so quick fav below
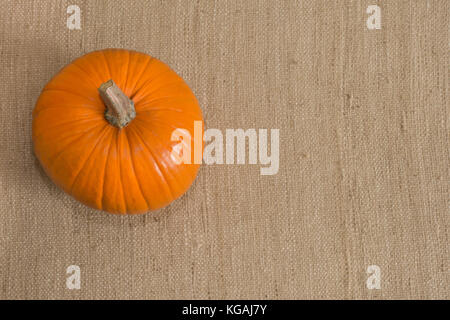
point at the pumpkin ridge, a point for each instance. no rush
(82, 120)
(106, 64)
(101, 58)
(85, 72)
(45, 107)
(161, 99)
(158, 139)
(102, 195)
(101, 136)
(178, 81)
(167, 125)
(155, 100)
(67, 91)
(45, 94)
(150, 80)
(149, 111)
(157, 164)
(143, 68)
(119, 176)
(78, 137)
(134, 171)
(160, 108)
(126, 72)
(87, 185)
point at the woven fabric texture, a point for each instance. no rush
(364, 153)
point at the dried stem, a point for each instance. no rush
(119, 108)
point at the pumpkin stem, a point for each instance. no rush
(119, 108)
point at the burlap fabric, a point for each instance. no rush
(364, 153)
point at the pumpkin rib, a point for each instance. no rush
(75, 116)
(144, 97)
(130, 187)
(101, 59)
(88, 76)
(163, 113)
(106, 64)
(153, 78)
(134, 171)
(78, 137)
(46, 113)
(127, 70)
(161, 173)
(158, 139)
(154, 121)
(161, 145)
(101, 135)
(149, 81)
(117, 205)
(95, 111)
(152, 111)
(67, 138)
(156, 136)
(38, 110)
(119, 176)
(81, 121)
(86, 185)
(147, 104)
(94, 77)
(150, 160)
(64, 90)
(41, 103)
(162, 109)
(150, 59)
(150, 101)
(102, 205)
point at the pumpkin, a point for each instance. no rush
(102, 131)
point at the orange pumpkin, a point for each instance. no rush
(108, 143)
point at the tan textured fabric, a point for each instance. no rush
(364, 153)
